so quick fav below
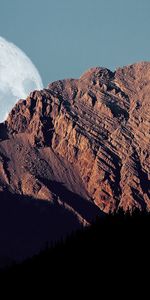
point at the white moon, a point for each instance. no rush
(18, 77)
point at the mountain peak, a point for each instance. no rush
(97, 74)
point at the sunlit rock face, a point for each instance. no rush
(87, 137)
(72, 152)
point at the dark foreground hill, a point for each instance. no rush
(112, 245)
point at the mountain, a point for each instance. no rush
(75, 150)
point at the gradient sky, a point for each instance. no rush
(64, 38)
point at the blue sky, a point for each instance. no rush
(64, 38)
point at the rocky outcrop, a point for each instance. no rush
(87, 138)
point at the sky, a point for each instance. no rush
(64, 38)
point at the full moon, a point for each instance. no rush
(18, 77)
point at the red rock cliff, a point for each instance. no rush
(91, 134)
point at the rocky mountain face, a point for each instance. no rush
(92, 135)
(82, 144)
